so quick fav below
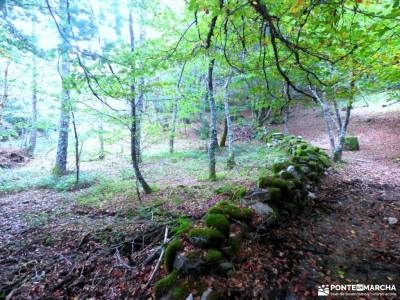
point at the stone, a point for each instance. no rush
(312, 195)
(392, 221)
(262, 209)
(258, 194)
(206, 294)
(226, 268)
(189, 265)
(292, 170)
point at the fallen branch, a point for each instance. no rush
(159, 259)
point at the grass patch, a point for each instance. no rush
(106, 190)
(23, 180)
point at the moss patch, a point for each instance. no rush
(206, 237)
(218, 221)
(165, 284)
(170, 253)
(213, 257)
(351, 143)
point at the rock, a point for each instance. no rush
(190, 297)
(194, 265)
(210, 294)
(392, 221)
(292, 170)
(262, 209)
(312, 195)
(226, 268)
(258, 194)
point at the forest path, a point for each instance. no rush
(345, 236)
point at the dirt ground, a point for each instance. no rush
(342, 237)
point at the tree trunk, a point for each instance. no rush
(228, 121)
(286, 120)
(33, 132)
(62, 147)
(140, 102)
(5, 90)
(102, 153)
(222, 142)
(77, 152)
(173, 127)
(133, 125)
(213, 144)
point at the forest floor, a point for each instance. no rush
(52, 247)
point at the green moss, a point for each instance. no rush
(165, 284)
(234, 243)
(231, 211)
(218, 221)
(179, 292)
(170, 253)
(269, 181)
(234, 191)
(279, 166)
(325, 161)
(276, 194)
(206, 237)
(183, 226)
(216, 210)
(213, 257)
(286, 175)
(351, 143)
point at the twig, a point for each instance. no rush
(159, 259)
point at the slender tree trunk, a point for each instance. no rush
(222, 142)
(77, 152)
(62, 147)
(33, 132)
(133, 125)
(102, 153)
(140, 102)
(228, 121)
(173, 127)
(5, 90)
(213, 144)
(286, 120)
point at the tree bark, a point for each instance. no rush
(228, 121)
(62, 147)
(77, 152)
(33, 132)
(222, 142)
(133, 125)
(213, 144)
(140, 102)
(5, 90)
(173, 127)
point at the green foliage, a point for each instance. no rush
(170, 252)
(218, 221)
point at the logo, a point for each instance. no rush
(323, 290)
